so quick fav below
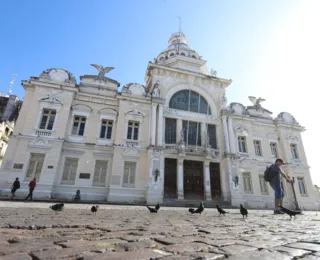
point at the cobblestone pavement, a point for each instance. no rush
(33, 231)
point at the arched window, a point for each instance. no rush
(190, 101)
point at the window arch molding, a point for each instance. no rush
(177, 88)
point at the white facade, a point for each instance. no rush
(173, 139)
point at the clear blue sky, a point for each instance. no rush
(269, 48)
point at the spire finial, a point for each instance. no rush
(180, 31)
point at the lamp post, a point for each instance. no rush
(156, 174)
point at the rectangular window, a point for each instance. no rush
(106, 129)
(302, 186)
(257, 147)
(274, 149)
(171, 131)
(192, 132)
(35, 166)
(69, 171)
(294, 151)
(47, 120)
(18, 166)
(133, 130)
(242, 144)
(212, 136)
(263, 185)
(100, 173)
(247, 184)
(129, 174)
(79, 124)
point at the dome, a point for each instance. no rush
(178, 46)
(59, 75)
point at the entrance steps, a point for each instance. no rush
(196, 203)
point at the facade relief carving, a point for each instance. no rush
(51, 98)
(241, 130)
(272, 136)
(108, 111)
(292, 137)
(131, 152)
(81, 108)
(40, 142)
(135, 111)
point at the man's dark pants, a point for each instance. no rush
(30, 194)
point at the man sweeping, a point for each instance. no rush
(273, 175)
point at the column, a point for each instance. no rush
(179, 129)
(160, 125)
(231, 136)
(153, 124)
(207, 181)
(180, 190)
(225, 133)
(203, 135)
(225, 178)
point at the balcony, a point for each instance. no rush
(132, 143)
(192, 149)
(43, 132)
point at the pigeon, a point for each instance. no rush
(94, 209)
(191, 210)
(57, 207)
(289, 212)
(155, 209)
(198, 210)
(243, 211)
(221, 211)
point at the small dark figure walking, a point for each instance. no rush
(32, 185)
(14, 187)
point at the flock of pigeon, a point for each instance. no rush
(244, 212)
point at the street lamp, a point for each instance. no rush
(156, 174)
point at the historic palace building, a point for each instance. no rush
(174, 139)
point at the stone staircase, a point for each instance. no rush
(196, 203)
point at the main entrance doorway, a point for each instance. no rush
(170, 178)
(193, 180)
(215, 181)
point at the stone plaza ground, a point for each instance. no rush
(31, 230)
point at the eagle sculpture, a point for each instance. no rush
(256, 101)
(102, 71)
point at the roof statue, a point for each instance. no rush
(213, 73)
(102, 71)
(256, 102)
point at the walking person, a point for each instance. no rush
(275, 184)
(32, 185)
(14, 187)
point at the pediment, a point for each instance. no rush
(272, 136)
(238, 108)
(39, 142)
(81, 108)
(50, 98)
(292, 137)
(241, 130)
(135, 112)
(135, 89)
(108, 111)
(131, 152)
